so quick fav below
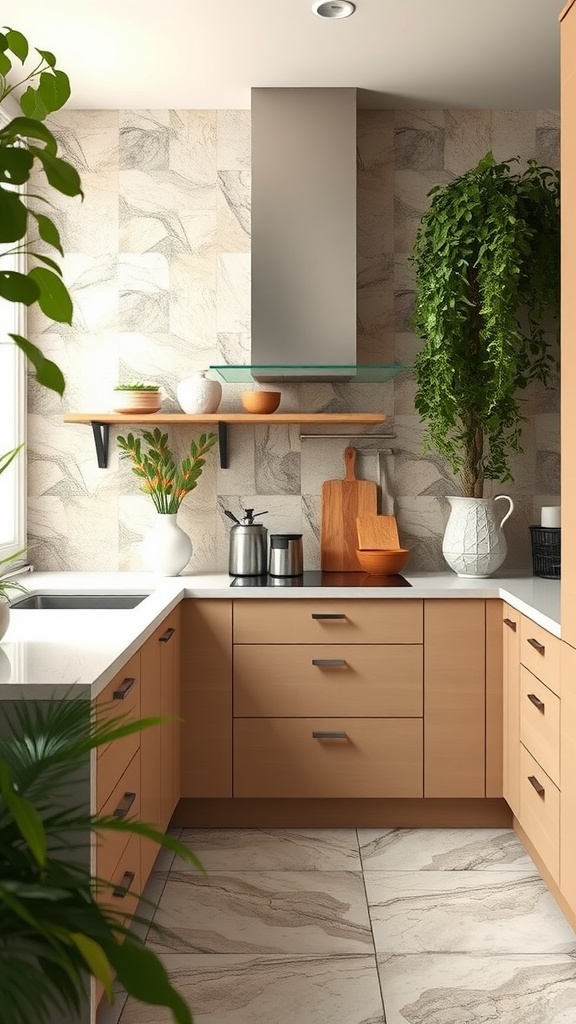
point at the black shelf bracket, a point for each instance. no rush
(101, 433)
(223, 443)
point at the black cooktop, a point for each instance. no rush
(315, 578)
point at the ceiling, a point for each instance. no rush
(209, 53)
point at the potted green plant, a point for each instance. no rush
(137, 397)
(487, 260)
(166, 549)
(54, 930)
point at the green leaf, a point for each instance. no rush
(28, 128)
(62, 83)
(5, 65)
(33, 105)
(25, 815)
(18, 44)
(46, 260)
(18, 287)
(48, 57)
(13, 216)
(54, 299)
(144, 977)
(61, 175)
(48, 231)
(47, 373)
(96, 960)
(15, 165)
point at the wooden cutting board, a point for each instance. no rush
(342, 502)
(377, 532)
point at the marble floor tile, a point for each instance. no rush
(265, 912)
(492, 912)
(462, 989)
(273, 849)
(270, 990)
(442, 849)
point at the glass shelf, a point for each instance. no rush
(369, 373)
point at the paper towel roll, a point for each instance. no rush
(550, 516)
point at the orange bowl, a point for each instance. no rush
(261, 401)
(383, 561)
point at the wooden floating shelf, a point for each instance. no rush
(101, 422)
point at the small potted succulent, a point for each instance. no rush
(137, 397)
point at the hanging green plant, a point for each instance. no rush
(487, 259)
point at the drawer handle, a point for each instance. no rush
(329, 662)
(537, 785)
(122, 890)
(167, 635)
(328, 615)
(537, 646)
(511, 624)
(124, 689)
(329, 735)
(536, 701)
(124, 806)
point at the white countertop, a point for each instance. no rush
(46, 652)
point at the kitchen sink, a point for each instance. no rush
(68, 601)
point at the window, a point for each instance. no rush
(12, 415)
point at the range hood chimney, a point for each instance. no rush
(303, 234)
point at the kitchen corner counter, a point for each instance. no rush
(45, 653)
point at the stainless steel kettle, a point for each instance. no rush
(248, 545)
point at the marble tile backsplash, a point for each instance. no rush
(158, 262)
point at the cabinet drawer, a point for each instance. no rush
(281, 757)
(540, 811)
(120, 697)
(377, 680)
(123, 893)
(123, 802)
(328, 621)
(540, 653)
(540, 723)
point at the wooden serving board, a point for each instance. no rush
(377, 532)
(342, 502)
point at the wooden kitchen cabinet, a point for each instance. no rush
(511, 707)
(568, 777)
(568, 318)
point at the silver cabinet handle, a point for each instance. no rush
(511, 624)
(124, 806)
(124, 689)
(537, 785)
(167, 635)
(537, 646)
(123, 888)
(329, 662)
(536, 701)
(329, 735)
(328, 615)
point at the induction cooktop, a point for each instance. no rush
(315, 578)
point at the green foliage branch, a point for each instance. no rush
(487, 259)
(166, 482)
(26, 144)
(54, 932)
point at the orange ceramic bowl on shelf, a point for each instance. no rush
(261, 401)
(383, 561)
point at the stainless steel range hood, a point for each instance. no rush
(303, 233)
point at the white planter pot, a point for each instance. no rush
(136, 401)
(474, 544)
(4, 616)
(166, 549)
(198, 394)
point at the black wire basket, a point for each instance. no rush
(546, 551)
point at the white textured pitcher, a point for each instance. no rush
(474, 544)
(166, 549)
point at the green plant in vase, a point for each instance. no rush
(167, 549)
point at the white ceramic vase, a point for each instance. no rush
(474, 544)
(4, 616)
(166, 548)
(198, 394)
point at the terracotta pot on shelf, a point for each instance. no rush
(136, 401)
(262, 402)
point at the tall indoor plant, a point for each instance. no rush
(487, 259)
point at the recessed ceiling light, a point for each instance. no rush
(333, 8)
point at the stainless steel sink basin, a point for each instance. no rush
(67, 601)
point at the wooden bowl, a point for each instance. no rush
(383, 561)
(261, 401)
